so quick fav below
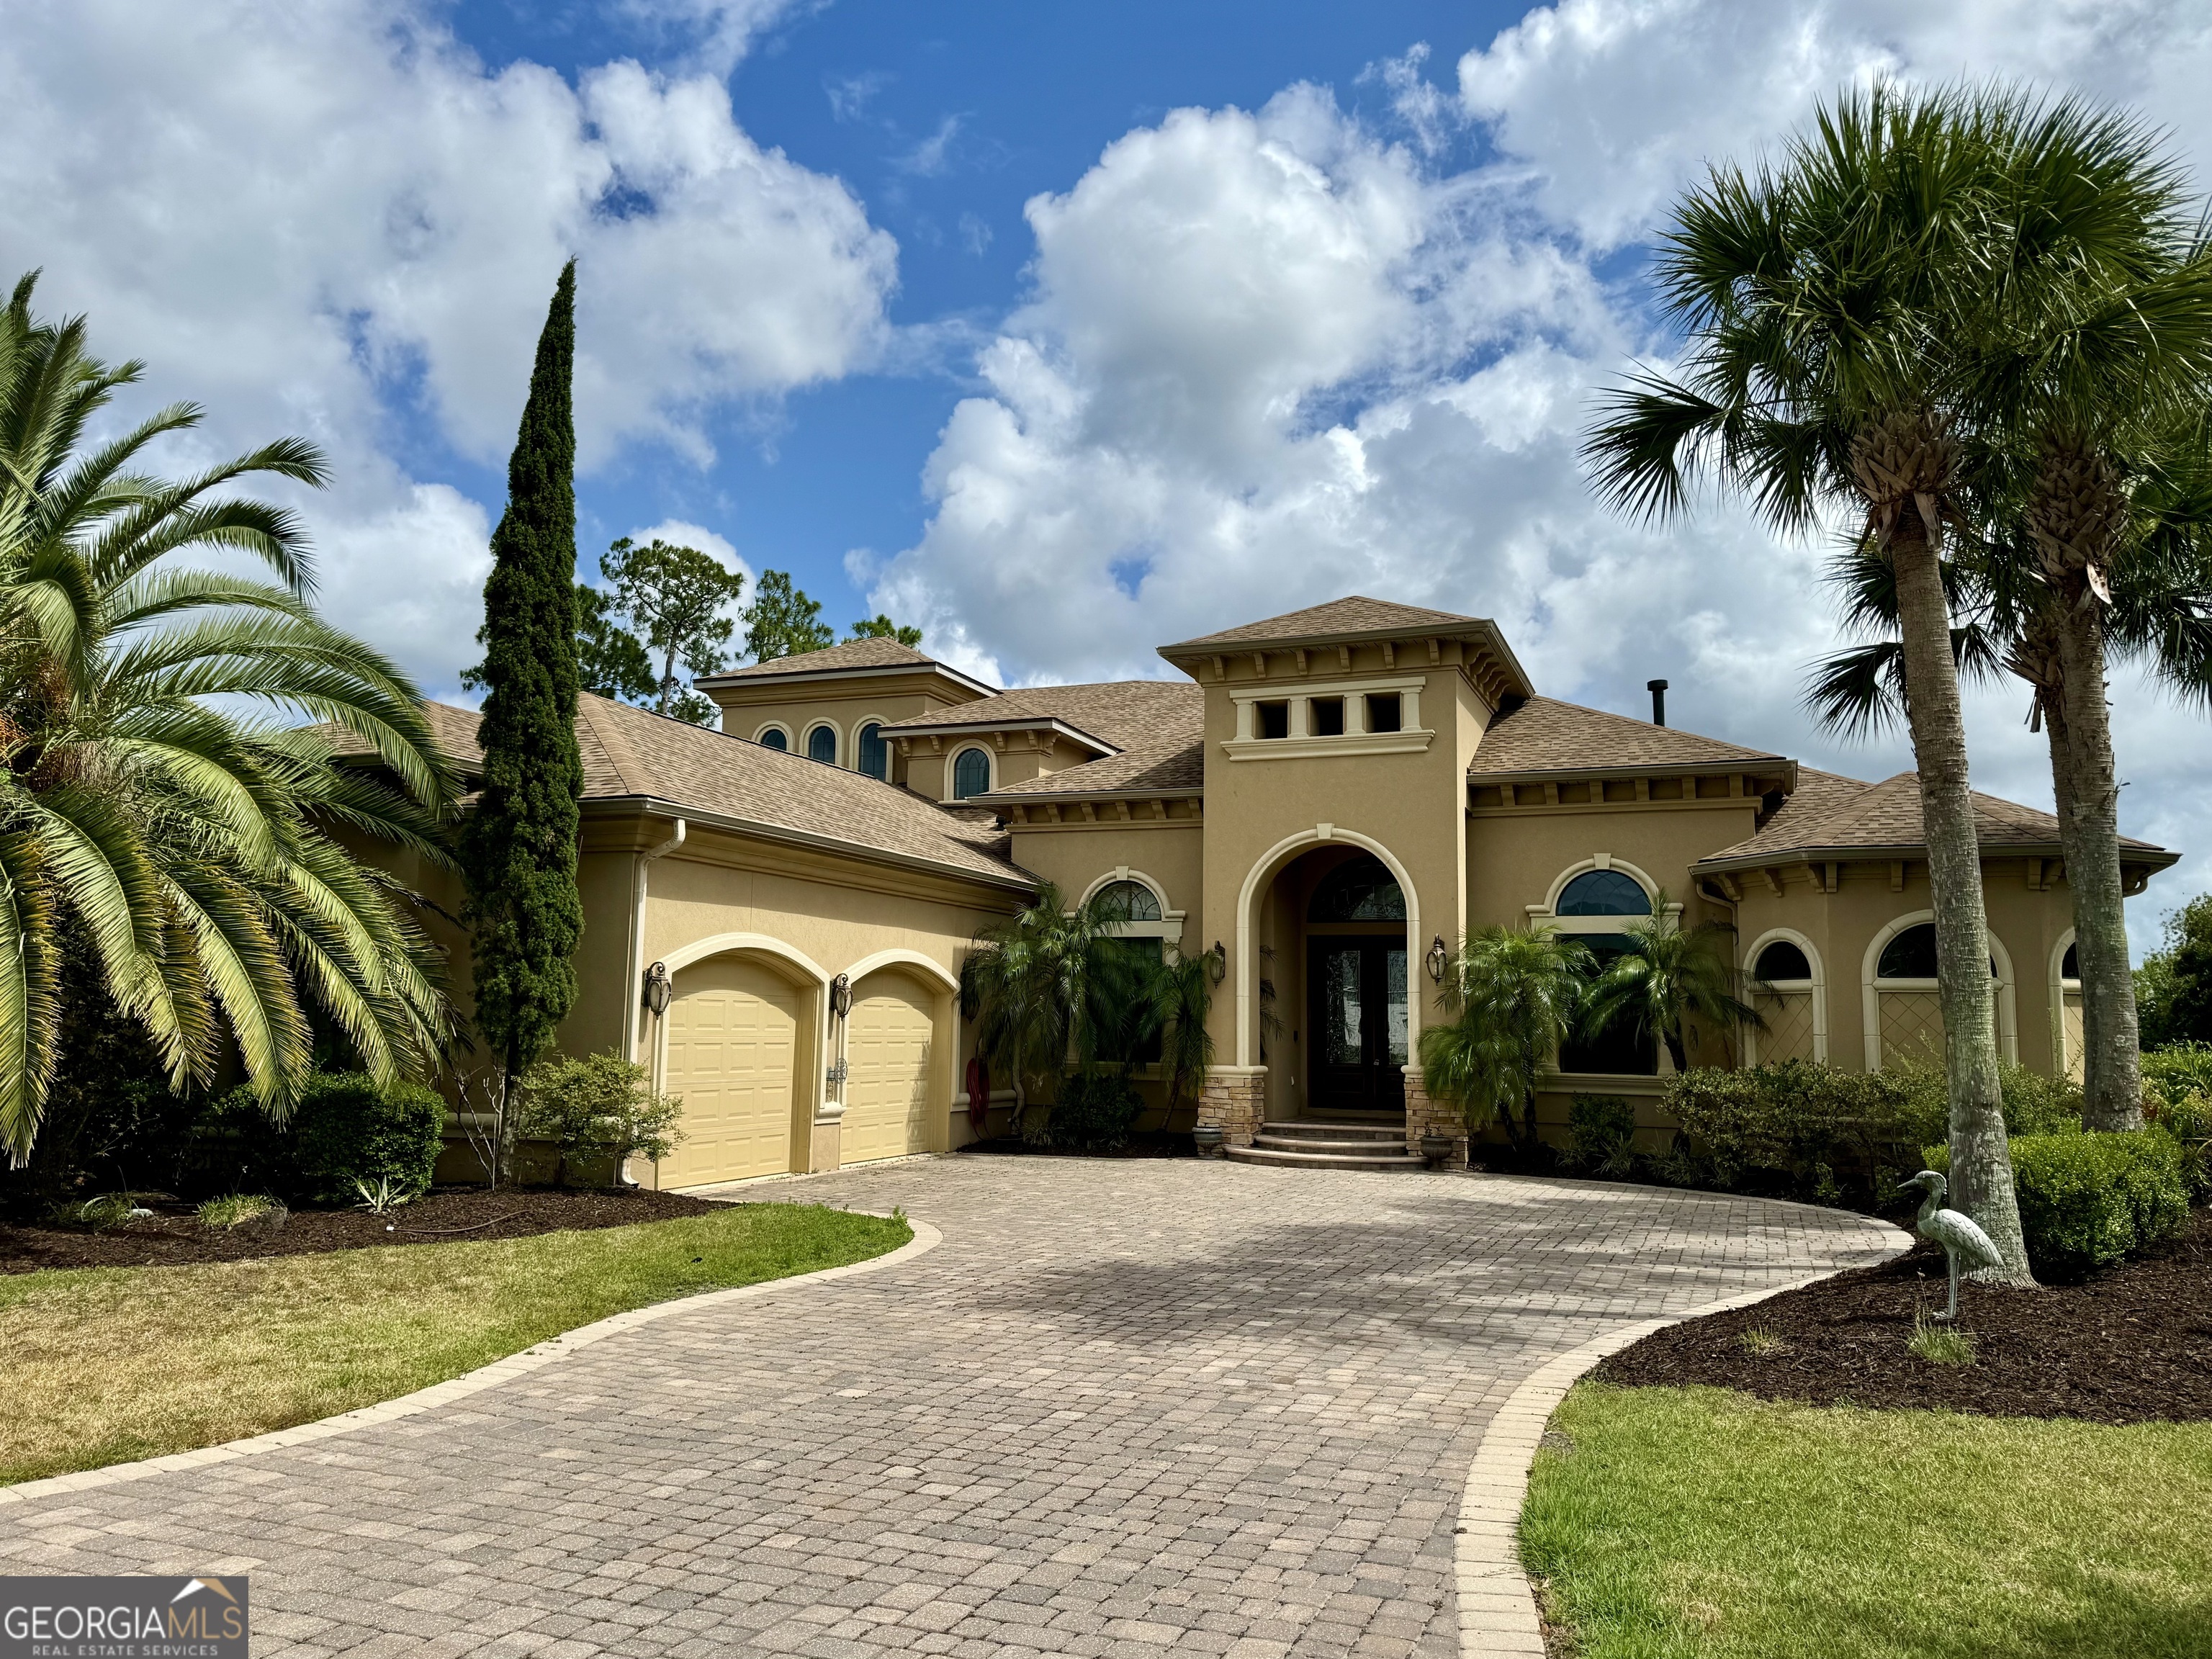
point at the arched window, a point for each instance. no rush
(1904, 1004)
(1360, 890)
(2066, 998)
(2071, 968)
(775, 737)
(1912, 954)
(822, 745)
(971, 774)
(1140, 902)
(1782, 961)
(1604, 893)
(875, 753)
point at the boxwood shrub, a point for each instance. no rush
(348, 1129)
(1094, 1112)
(2090, 1200)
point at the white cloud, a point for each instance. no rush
(333, 220)
(1272, 358)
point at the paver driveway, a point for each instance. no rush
(1124, 1408)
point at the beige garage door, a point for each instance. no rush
(887, 1050)
(732, 1045)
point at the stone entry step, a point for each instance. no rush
(1312, 1128)
(1311, 1143)
(1371, 1158)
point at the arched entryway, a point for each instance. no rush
(1326, 1000)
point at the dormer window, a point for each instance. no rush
(1385, 712)
(1271, 719)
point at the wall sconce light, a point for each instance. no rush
(1438, 958)
(841, 995)
(1217, 963)
(658, 988)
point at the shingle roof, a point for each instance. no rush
(1845, 817)
(1172, 765)
(852, 653)
(1122, 713)
(1546, 735)
(1355, 615)
(629, 752)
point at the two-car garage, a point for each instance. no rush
(738, 1048)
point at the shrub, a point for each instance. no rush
(599, 1107)
(239, 1210)
(1094, 1112)
(1600, 1131)
(2089, 1201)
(2178, 1070)
(1791, 1127)
(2037, 1105)
(347, 1130)
(2189, 1121)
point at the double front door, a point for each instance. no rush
(1356, 1016)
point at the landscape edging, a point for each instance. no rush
(1497, 1615)
(925, 1237)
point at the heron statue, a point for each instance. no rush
(1957, 1233)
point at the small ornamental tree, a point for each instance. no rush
(600, 1107)
(519, 847)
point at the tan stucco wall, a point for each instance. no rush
(847, 704)
(1016, 757)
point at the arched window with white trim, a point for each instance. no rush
(971, 773)
(773, 737)
(1904, 1000)
(1596, 902)
(1789, 991)
(822, 745)
(2066, 1006)
(874, 755)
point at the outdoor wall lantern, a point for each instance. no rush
(658, 988)
(841, 995)
(1437, 959)
(1217, 963)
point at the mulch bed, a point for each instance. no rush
(172, 1236)
(2131, 1344)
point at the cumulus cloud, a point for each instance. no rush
(335, 221)
(1272, 358)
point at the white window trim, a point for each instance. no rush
(761, 736)
(1547, 915)
(1356, 739)
(1871, 987)
(806, 747)
(883, 734)
(952, 765)
(2060, 985)
(1818, 985)
(1169, 927)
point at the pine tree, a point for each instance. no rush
(519, 849)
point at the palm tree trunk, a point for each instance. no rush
(1981, 1162)
(2112, 1084)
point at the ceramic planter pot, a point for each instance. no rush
(1211, 1137)
(1437, 1148)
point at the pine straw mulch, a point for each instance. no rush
(172, 1236)
(2132, 1344)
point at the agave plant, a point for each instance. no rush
(159, 792)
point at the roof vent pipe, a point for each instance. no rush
(1658, 690)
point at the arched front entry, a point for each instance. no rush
(1325, 997)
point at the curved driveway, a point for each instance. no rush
(1125, 1408)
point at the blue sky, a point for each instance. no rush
(1059, 331)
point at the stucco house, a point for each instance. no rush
(1325, 801)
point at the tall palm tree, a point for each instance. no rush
(154, 794)
(1668, 975)
(1036, 987)
(1825, 372)
(1512, 995)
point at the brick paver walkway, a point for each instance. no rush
(1124, 1408)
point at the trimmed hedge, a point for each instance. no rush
(2090, 1200)
(347, 1129)
(1600, 1131)
(1094, 1112)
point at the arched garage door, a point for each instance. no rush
(887, 1060)
(732, 1055)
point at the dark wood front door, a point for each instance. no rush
(1356, 1011)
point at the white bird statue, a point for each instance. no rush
(1956, 1233)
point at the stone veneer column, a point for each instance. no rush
(1424, 1116)
(1234, 1100)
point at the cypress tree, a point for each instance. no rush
(519, 847)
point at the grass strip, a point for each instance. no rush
(107, 1364)
(1702, 1522)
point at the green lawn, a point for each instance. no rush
(1702, 1522)
(104, 1365)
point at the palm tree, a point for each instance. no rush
(1512, 993)
(1034, 985)
(1181, 996)
(192, 840)
(1826, 371)
(1666, 977)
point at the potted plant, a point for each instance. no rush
(1437, 1148)
(1211, 1137)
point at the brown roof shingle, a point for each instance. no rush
(1546, 735)
(1172, 765)
(1843, 815)
(631, 752)
(1355, 615)
(832, 658)
(1120, 714)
